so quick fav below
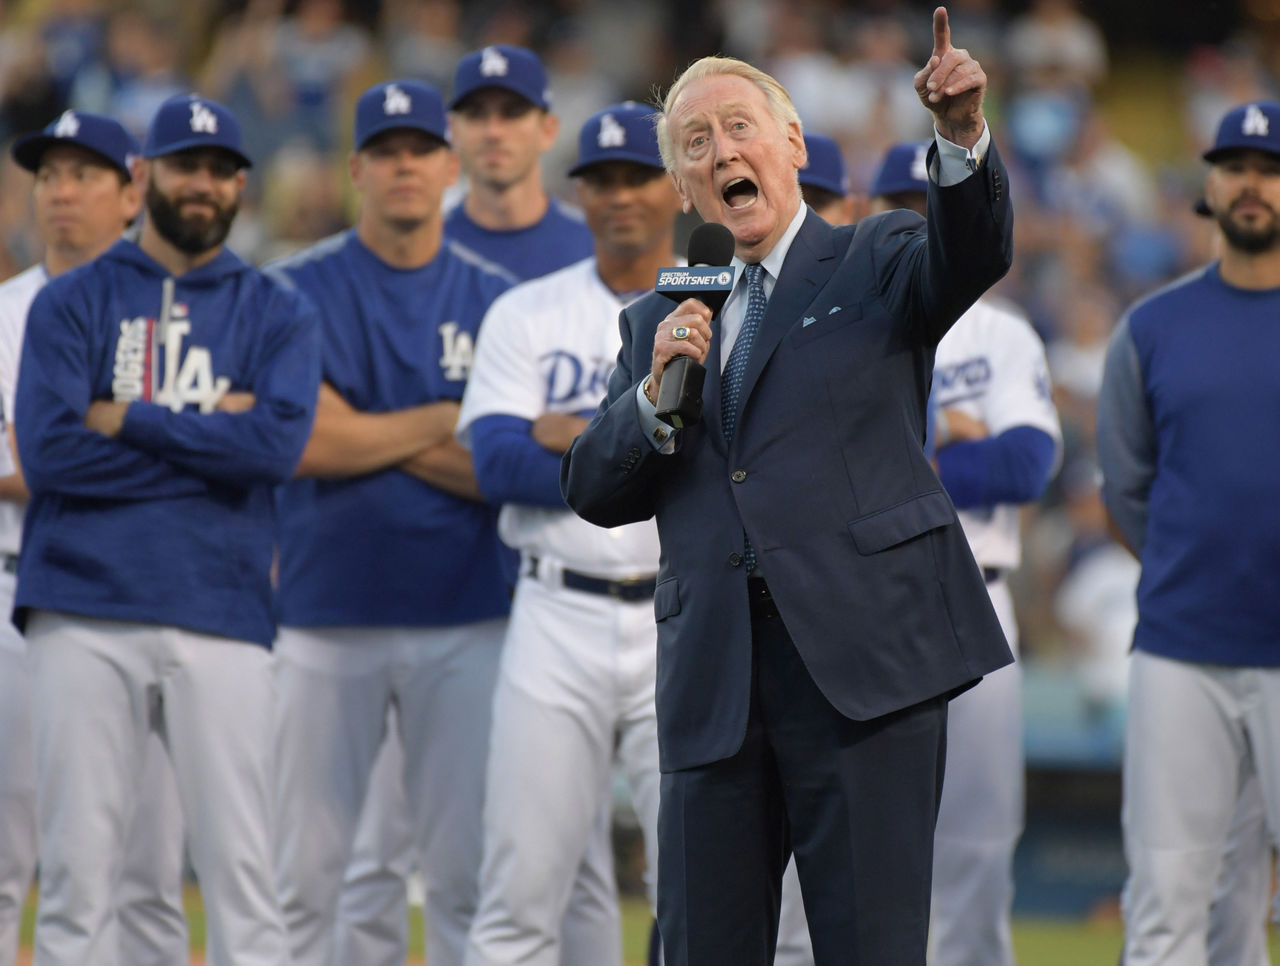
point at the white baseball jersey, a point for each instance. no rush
(16, 296)
(545, 346)
(991, 366)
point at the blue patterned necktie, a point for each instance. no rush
(735, 369)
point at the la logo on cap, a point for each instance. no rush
(493, 63)
(395, 101)
(68, 125)
(203, 120)
(1255, 122)
(918, 169)
(612, 134)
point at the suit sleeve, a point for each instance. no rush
(59, 454)
(1126, 438)
(607, 474)
(262, 445)
(931, 278)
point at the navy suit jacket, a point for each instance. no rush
(858, 540)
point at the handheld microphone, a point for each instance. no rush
(708, 279)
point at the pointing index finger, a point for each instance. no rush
(941, 32)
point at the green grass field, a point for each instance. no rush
(1036, 942)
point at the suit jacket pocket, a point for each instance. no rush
(666, 599)
(825, 320)
(910, 518)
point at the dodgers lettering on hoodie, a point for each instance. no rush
(171, 522)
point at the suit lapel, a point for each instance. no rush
(807, 268)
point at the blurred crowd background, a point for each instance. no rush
(1101, 109)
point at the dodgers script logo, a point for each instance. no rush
(68, 125)
(459, 351)
(569, 377)
(395, 101)
(188, 376)
(970, 377)
(203, 120)
(493, 63)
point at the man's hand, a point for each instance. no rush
(236, 402)
(106, 416)
(690, 318)
(951, 85)
(961, 428)
(557, 431)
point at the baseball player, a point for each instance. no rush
(998, 443)
(393, 586)
(501, 127)
(83, 198)
(1192, 495)
(576, 681)
(165, 388)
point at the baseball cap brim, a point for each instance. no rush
(30, 148)
(201, 142)
(400, 126)
(626, 157)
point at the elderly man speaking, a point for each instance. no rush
(817, 603)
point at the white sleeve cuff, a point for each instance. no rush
(955, 163)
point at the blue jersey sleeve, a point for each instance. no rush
(510, 466)
(1013, 467)
(262, 445)
(59, 453)
(1126, 437)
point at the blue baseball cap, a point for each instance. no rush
(1249, 127)
(188, 121)
(104, 136)
(398, 104)
(825, 168)
(502, 65)
(622, 132)
(903, 169)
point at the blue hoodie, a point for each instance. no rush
(172, 521)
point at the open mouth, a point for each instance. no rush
(740, 193)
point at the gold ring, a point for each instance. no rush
(680, 332)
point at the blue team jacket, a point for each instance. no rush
(172, 522)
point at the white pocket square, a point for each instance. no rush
(807, 321)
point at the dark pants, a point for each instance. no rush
(856, 800)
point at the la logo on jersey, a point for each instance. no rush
(203, 120)
(188, 377)
(1255, 122)
(918, 169)
(395, 101)
(459, 350)
(68, 125)
(612, 134)
(493, 63)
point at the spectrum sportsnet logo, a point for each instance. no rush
(695, 278)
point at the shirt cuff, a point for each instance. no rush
(660, 436)
(955, 163)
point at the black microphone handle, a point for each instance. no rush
(680, 392)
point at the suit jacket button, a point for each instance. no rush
(735, 559)
(738, 476)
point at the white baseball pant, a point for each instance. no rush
(100, 690)
(336, 685)
(576, 687)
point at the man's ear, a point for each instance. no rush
(686, 204)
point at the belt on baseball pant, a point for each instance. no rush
(992, 574)
(10, 563)
(621, 588)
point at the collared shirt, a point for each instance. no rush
(952, 165)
